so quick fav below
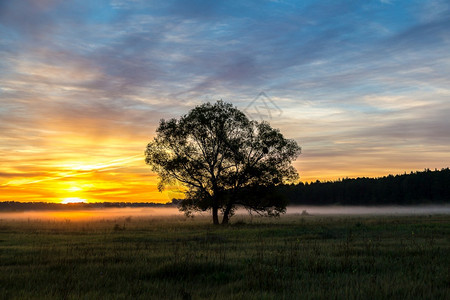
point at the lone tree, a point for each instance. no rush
(224, 160)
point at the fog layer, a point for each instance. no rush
(156, 212)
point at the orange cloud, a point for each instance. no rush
(125, 179)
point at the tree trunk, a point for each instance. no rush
(226, 214)
(215, 214)
(225, 219)
(215, 203)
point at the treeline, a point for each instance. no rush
(26, 206)
(414, 188)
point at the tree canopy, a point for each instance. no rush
(224, 160)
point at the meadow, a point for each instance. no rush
(293, 257)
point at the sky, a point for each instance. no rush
(362, 86)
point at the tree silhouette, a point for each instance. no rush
(224, 160)
(424, 187)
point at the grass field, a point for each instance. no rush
(295, 257)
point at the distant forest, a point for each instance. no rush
(25, 206)
(414, 188)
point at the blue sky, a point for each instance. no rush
(363, 86)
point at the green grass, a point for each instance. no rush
(288, 258)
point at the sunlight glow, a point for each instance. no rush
(73, 200)
(74, 189)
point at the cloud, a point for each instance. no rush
(87, 82)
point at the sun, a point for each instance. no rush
(73, 200)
